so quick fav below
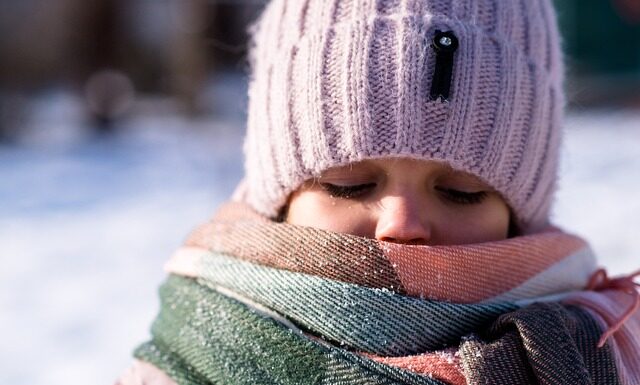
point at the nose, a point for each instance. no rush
(401, 220)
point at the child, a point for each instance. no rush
(393, 223)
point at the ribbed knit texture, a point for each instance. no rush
(338, 81)
(253, 301)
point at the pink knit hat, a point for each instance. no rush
(474, 83)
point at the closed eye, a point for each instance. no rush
(348, 192)
(462, 197)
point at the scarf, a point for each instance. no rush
(251, 301)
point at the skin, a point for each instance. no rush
(402, 200)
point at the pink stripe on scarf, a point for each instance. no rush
(608, 307)
(444, 365)
(473, 273)
(186, 261)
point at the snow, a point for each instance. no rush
(599, 185)
(86, 223)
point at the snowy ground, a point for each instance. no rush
(86, 224)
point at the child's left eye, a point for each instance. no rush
(462, 197)
(348, 192)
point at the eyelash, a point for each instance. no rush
(461, 197)
(357, 191)
(347, 192)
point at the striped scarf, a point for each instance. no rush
(250, 301)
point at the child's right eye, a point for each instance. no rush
(348, 192)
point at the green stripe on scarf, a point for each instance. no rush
(258, 310)
(372, 320)
(202, 337)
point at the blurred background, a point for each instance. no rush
(121, 125)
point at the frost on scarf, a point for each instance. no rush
(253, 301)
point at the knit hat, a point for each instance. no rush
(473, 83)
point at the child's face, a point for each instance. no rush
(402, 200)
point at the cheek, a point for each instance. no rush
(498, 218)
(483, 223)
(315, 209)
(463, 225)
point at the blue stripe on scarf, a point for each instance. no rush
(376, 321)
